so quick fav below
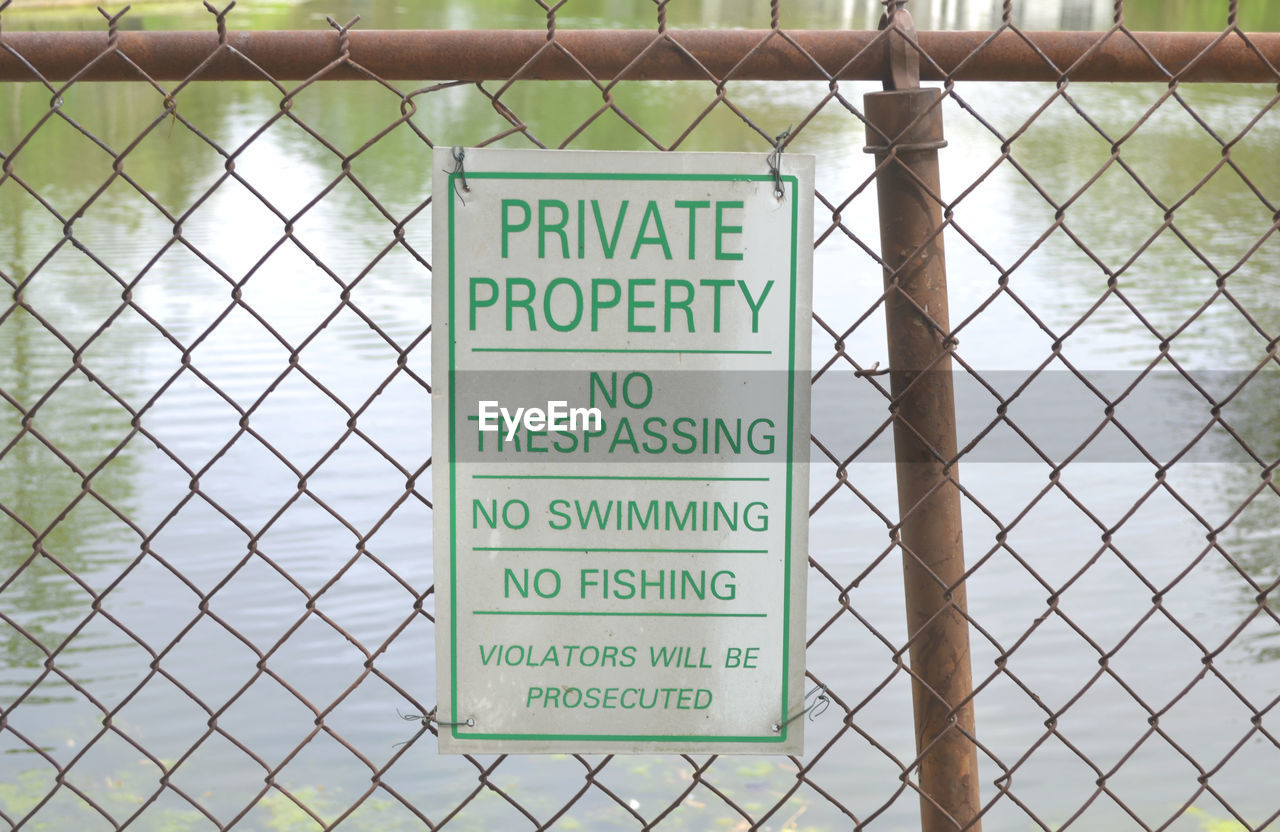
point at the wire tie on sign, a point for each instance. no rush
(815, 709)
(460, 170)
(428, 718)
(774, 161)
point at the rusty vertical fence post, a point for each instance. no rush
(904, 130)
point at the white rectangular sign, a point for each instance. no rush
(620, 417)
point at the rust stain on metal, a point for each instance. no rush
(428, 55)
(904, 130)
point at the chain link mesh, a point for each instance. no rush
(298, 535)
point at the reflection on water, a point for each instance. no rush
(280, 380)
(58, 544)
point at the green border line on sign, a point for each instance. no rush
(456, 729)
(617, 549)
(609, 614)
(613, 477)
(617, 350)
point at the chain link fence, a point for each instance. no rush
(215, 582)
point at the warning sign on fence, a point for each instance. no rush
(620, 361)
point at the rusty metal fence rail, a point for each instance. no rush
(215, 585)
